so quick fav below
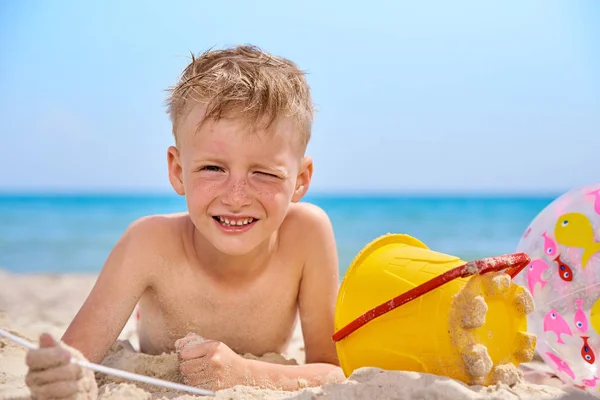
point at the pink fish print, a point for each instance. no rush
(561, 365)
(534, 274)
(580, 320)
(549, 245)
(596, 195)
(590, 382)
(554, 322)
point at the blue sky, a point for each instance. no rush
(412, 96)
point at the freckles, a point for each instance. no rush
(272, 193)
(267, 191)
(205, 186)
(239, 187)
(212, 187)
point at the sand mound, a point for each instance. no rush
(31, 304)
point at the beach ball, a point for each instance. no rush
(563, 277)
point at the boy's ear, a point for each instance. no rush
(175, 170)
(303, 179)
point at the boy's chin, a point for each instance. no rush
(236, 247)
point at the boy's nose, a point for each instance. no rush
(237, 194)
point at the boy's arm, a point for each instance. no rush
(318, 290)
(317, 296)
(115, 294)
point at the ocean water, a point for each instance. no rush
(75, 233)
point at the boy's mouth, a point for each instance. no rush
(233, 222)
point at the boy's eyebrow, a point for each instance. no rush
(206, 159)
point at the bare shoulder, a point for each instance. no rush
(158, 229)
(306, 218)
(154, 237)
(151, 242)
(308, 228)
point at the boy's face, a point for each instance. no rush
(238, 183)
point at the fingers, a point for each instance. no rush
(192, 366)
(184, 340)
(198, 373)
(56, 390)
(49, 355)
(188, 339)
(51, 374)
(195, 367)
(69, 372)
(199, 350)
(46, 340)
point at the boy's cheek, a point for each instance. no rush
(205, 186)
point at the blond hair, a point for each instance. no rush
(243, 82)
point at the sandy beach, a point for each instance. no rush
(32, 304)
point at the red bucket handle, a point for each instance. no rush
(512, 263)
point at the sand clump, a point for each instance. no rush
(469, 312)
(31, 304)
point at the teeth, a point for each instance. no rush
(239, 222)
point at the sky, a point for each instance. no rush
(419, 96)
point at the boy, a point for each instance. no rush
(241, 263)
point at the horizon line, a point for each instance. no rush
(316, 193)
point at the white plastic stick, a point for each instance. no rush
(116, 372)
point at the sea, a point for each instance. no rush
(74, 233)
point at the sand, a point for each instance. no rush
(32, 304)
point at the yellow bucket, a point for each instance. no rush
(471, 329)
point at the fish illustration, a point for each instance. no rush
(561, 365)
(534, 274)
(590, 382)
(586, 352)
(554, 322)
(564, 271)
(549, 244)
(580, 320)
(575, 230)
(596, 195)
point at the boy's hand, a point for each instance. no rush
(210, 364)
(52, 376)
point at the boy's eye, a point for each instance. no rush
(212, 168)
(267, 174)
